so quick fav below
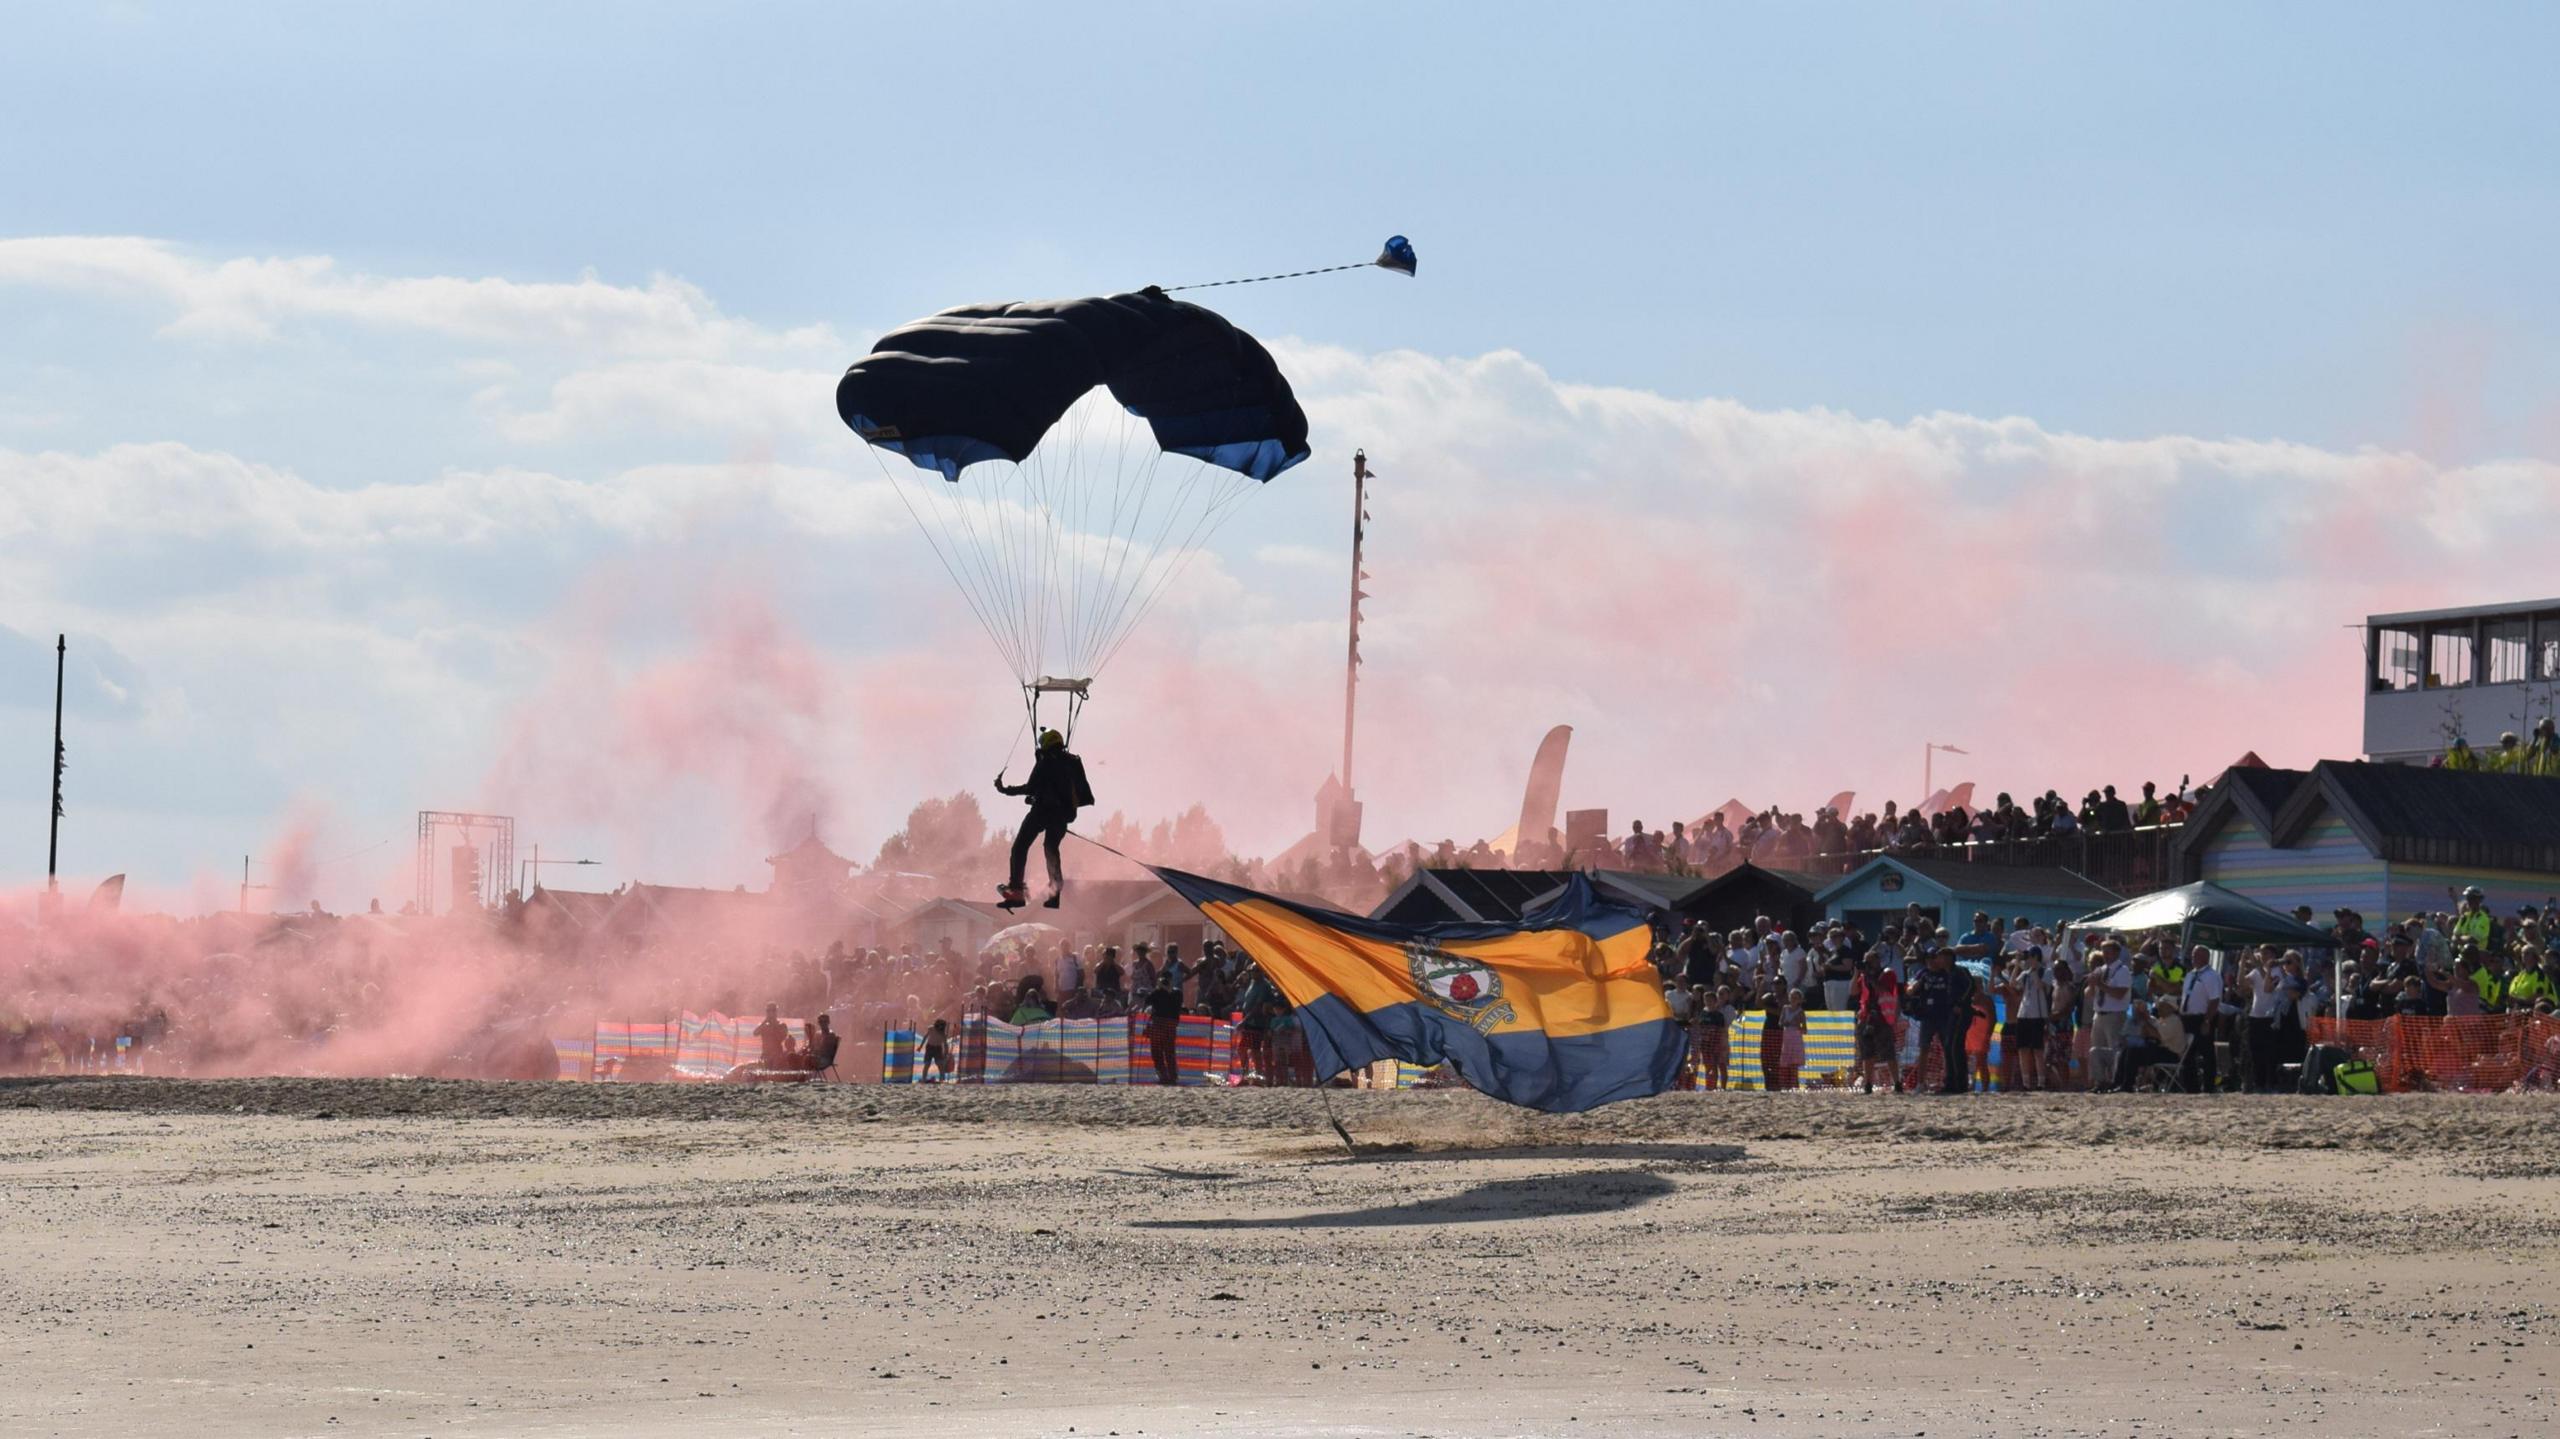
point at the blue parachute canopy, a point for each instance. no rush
(1398, 255)
(985, 382)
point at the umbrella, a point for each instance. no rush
(2204, 911)
(1021, 936)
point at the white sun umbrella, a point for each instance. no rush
(1021, 936)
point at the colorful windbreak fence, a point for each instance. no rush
(1120, 1050)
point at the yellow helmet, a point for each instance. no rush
(1051, 739)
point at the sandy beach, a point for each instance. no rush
(407, 1258)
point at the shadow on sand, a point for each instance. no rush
(1545, 1196)
(1634, 1150)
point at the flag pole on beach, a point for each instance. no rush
(53, 838)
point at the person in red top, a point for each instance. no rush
(1877, 1000)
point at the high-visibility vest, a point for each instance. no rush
(2485, 980)
(2461, 757)
(2474, 925)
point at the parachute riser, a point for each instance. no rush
(1073, 692)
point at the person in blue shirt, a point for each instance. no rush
(1981, 942)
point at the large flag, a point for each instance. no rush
(1562, 1011)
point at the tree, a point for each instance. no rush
(946, 838)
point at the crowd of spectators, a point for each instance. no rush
(1782, 839)
(2090, 1009)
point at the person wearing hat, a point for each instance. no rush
(1055, 790)
(1941, 998)
(2542, 757)
(2532, 981)
(2473, 923)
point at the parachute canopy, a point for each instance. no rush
(1062, 516)
(985, 382)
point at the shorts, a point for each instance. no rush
(1876, 1043)
(2025, 1035)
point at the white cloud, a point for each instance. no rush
(54, 504)
(680, 397)
(1723, 600)
(255, 298)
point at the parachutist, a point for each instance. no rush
(1055, 789)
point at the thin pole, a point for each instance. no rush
(53, 840)
(244, 884)
(1351, 668)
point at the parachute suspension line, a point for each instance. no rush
(1258, 279)
(1086, 562)
(1212, 518)
(1130, 482)
(941, 552)
(1126, 552)
(1151, 570)
(981, 553)
(1120, 540)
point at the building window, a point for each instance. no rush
(2395, 659)
(2546, 647)
(2449, 656)
(2509, 650)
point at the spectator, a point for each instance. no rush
(2061, 1026)
(823, 1046)
(1878, 997)
(2030, 995)
(1941, 998)
(2160, 1039)
(2199, 1009)
(2111, 985)
(1711, 1034)
(1791, 1040)
(1839, 969)
(2266, 1001)
(1164, 1029)
(1977, 1036)
(773, 1040)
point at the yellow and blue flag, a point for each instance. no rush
(1561, 1012)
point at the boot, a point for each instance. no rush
(1011, 896)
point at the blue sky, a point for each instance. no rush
(2272, 220)
(1794, 291)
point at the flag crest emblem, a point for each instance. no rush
(1462, 988)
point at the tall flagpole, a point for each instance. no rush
(1351, 671)
(53, 841)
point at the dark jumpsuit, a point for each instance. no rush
(1055, 790)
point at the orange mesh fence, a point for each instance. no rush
(2539, 1052)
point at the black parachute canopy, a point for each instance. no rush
(985, 382)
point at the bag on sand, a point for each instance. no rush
(2356, 1077)
(2318, 1064)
